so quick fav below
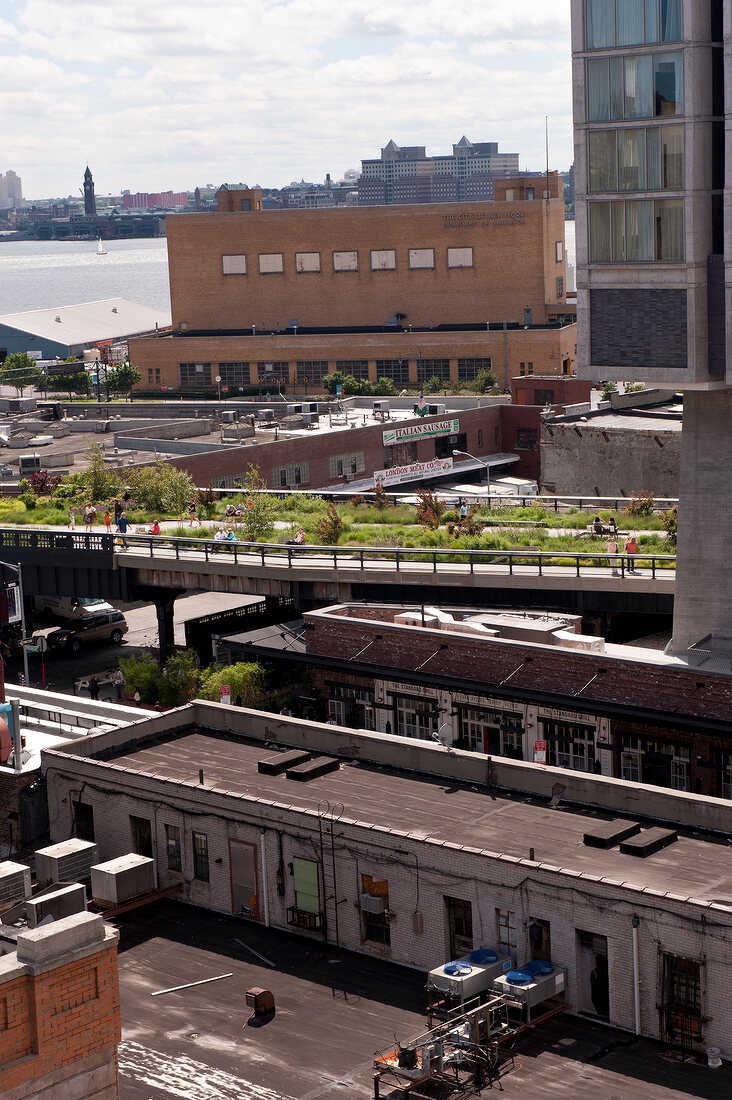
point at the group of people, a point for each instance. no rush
(631, 549)
(226, 536)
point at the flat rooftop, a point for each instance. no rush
(441, 810)
(331, 1016)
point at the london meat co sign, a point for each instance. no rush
(420, 431)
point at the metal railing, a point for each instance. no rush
(291, 557)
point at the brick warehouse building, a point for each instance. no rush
(405, 293)
(623, 712)
(427, 854)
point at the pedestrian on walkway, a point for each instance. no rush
(138, 697)
(192, 515)
(90, 514)
(122, 526)
(117, 510)
(612, 550)
(463, 509)
(631, 549)
(119, 682)
(93, 688)
(108, 521)
(72, 519)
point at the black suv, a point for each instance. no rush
(104, 626)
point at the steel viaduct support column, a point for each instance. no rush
(164, 600)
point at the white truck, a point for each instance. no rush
(70, 607)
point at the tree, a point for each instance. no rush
(484, 380)
(332, 381)
(260, 509)
(247, 681)
(350, 385)
(162, 488)
(329, 526)
(179, 681)
(98, 481)
(44, 484)
(433, 384)
(670, 521)
(384, 387)
(20, 370)
(429, 509)
(121, 379)
(79, 383)
(607, 389)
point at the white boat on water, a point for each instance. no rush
(101, 250)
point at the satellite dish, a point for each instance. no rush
(444, 734)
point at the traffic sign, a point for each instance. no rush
(224, 389)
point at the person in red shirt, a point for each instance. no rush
(631, 549)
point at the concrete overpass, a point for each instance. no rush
(160, 568)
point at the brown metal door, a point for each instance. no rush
(244, 887)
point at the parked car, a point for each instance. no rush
(107, 627)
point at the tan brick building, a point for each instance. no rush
(407, 292)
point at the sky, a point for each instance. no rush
(170, 94)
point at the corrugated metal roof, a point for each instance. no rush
(87, 322)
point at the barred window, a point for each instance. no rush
(459, 257)
(271, 372)
(234, 265)
(195, 374)
(307, 261)
(294, 473)
(383, 259)
(357, 368)
(345, 261)
(468, 369)
(421, 258)
(173, 847)
(200, 857)
(433, 368)
(396, 369)
(311, 370)
(270, 263)
(234, 374)
(340, 465)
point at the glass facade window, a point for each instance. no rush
(468, 369)
(357, 368)
(200, 857)
(631, 159)
(396, 369)
(631, 22)
(637, 231)
(433, 368)
(173, 848)
(636, 86)
(273, 372)
(311, 370)
(234, 374)
(195, 374)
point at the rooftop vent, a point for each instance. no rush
(648, 841)
(606, 834)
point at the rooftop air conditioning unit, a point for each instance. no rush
(310, 407)
(310, 419)
(381, 406)
(435, 410)
(265, 414)
(69, 861)
(15, 882)
(229, 416)
(294, 410)
(123, 878)
(68, 899)
(370, 904)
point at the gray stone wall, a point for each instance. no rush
(584, 460)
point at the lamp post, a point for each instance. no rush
(487, 472)
(18, 569)
(218, 383)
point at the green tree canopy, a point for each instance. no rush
(20, 370)
(162, 488)
(260, 509)
(98, 481)
(79, 383)
(246, 679)
(121, 379)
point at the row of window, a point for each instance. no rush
(637, 159)
(200, 375)
(381, 259)
(635, 86)
(610, 23)
(637, 231)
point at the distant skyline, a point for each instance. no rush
(175, 94)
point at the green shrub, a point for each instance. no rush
(29, 499)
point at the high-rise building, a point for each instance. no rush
(11, 191)
(406, 174)
(90, 203)
(654, 269)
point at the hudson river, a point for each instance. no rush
(46, 274)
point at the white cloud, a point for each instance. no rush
(175, 93)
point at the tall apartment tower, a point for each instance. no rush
(654, 259)
(90, 203)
